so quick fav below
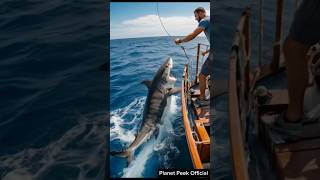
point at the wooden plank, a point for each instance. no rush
(240, 167)
(278, 33)
(202, 132)
(310, 138)
(197, 164)
(204, 146)
(304, 145)
(203, 120)
(279, 96)
(203, 112)
(298, 160)
(278, 102)
(300, 165)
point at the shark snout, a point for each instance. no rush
(170, 78)
(170, 63)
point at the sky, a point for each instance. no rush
(140, 19)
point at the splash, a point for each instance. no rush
(124, 122)
(163, 142)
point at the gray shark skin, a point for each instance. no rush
(159, 89)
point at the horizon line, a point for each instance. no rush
(148, 37)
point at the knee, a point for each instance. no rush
(202, 77)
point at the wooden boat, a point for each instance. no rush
(196, 119)
(256, 153)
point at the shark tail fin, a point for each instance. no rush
(126, 154)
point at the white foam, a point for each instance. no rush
(137, 166)
(118, 119)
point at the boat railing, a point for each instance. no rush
(238, 87)
(185, 85)
(278, 34)
(191, 135)
(242, 81)
(197, 139)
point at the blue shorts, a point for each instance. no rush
(207, 67)
(305, 27)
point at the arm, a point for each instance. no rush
(191, 36)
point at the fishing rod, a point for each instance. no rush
(181, 46)
(169, 35)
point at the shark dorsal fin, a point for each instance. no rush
(147, 83)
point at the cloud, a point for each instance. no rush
(149, 26)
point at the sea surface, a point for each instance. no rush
(53, 96)
(127, 95)
(132, 61)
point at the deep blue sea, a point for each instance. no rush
(128, 56)
(132, 61)
(53, 97)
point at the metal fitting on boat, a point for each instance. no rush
(262, 94)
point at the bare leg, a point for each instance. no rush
(297, 75)
(202, 84)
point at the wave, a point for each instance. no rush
(161, 144)
(69, 157)
(129, 115)
(135, 54)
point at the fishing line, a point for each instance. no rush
(181, 46)
(164, 28)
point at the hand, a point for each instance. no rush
(204, 53)
(177, 41)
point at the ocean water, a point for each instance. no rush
(53, 103)
(151, 52)
(53, 97)
(132, 61)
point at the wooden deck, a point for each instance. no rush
(294, 160)
(202, 127)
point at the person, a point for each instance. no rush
(303, 33)
(206, 69)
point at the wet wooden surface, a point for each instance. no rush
(302, 165)
(299, 159)
(202, 120)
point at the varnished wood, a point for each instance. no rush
(240, 167)
(197, 164)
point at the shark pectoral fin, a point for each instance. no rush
(147, 83)
(173, 91)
